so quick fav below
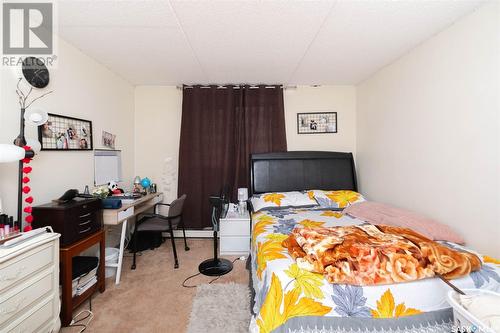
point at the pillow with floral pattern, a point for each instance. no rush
(338, 199)
(281, 200)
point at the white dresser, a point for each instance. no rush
(235, 234)
(29, 285)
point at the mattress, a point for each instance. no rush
(288, 299)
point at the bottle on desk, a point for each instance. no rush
(7, 227)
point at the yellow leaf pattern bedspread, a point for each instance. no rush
(286, 294)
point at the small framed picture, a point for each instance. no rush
(65, 133)
(316, 122)
(108, 140)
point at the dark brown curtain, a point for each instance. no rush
(220, 128)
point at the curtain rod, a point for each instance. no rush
(236, 86)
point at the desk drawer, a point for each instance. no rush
(26, 264)
(34, 289)
(125, 213)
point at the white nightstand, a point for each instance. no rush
(235, 234)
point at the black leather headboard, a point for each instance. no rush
(302, 170)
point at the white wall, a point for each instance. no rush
(84, 89)
(340, 99)
(158, 112)
(428, 130)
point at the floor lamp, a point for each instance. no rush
(22, 150)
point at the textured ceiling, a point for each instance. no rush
(160, 42)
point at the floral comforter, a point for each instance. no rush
(286, 294)
(369, 255)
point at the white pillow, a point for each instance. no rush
(281, 200)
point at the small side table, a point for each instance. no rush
(235, 234)
(69, 303)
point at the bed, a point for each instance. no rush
(287, 299)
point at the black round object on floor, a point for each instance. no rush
(215, 267)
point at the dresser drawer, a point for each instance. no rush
(86, 218)
(86, 208)
(15, 270)
(34, 289)
(235, 228)
(85, 227)
(234, 245)
(37, 318)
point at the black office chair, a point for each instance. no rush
(158, 222)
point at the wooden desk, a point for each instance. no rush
(121, 215)
(69, 303)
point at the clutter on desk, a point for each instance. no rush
(111, 203)
(137, 184)
(105, 191)
(113, 188)
(86, 193)
(101, 192)
(67, 196)
(144, 185)
(8, 229)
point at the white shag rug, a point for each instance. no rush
(220, 308)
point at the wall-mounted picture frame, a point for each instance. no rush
(65, 133)
(108, 140)
(316, 122)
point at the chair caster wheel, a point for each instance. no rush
(176, 266)
(133, 267)
(187, 248)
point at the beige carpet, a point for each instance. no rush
(151, 298)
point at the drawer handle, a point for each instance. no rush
(85, 215)
(20, 270)
(84, 223)
(84, 231)
(14, 308)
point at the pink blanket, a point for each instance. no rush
(378, 213)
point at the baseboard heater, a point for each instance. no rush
(193, 234)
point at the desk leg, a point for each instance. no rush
(120, 255)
